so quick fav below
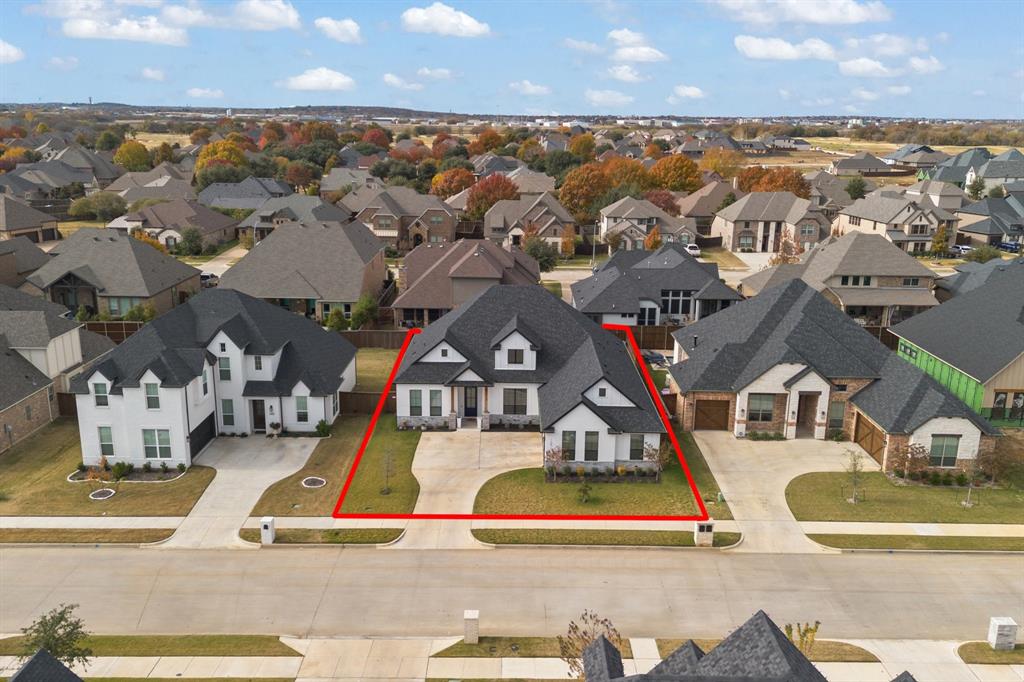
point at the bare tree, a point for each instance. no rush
(803, 635)
(389, 471)
(580, 635)
(854, 471)
(553, 458)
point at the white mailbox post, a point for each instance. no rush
(1002, 633)
(267, 530)
(704, 533)
(471, 621)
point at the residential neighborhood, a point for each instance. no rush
(467, 340)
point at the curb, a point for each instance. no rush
(327, 545)
(510, 545)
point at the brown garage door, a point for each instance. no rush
(711, 415)
(869, 437)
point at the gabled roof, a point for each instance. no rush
(343, 176)
(50, 175)
(955, 169)
(397, 201)
(78, 156)
(20, 377)
(12, 299)
(970, 276)
(297, 207)
(1009, 164)
(831, 189)
(860, 161)
(772, 206)
(33, 328)
(541, 211)
(174, 345)
(179, 214)
(248, 193)
(17, 215)
(113, 262)
(27, 256)
(531, 182)
(43, 667)
(156, 176)
(706, 200)
(323, 261)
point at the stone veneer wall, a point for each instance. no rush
(43, 411)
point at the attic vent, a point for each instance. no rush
(694, 340)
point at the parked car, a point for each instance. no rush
(692, 249)
(960, 249)
(208, 279)
(654, 358)
(1012, 247)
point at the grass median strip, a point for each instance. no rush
(84, 535)
(922, 542)
(610, 538)
(982, 653)
(824, 651)
(512, 647)
(373, 367)
(172, 645)
(329, 536)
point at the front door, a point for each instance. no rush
(807, 406)
(470, 401)
(259, 416)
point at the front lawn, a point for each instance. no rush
(330, 536)
(513, 647)
(820, 497)
(88, 536)
(373, 367)
(33, 482)
(606, 538)
(659, 377)
(583, 261)
(824, 651)
(172, 645)
(726, 259)
(922, 542)
(982, 653)
(367, 494)
(554, 287)
(69, 227)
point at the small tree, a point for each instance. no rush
(336, 320)
(583, 492)
(854, 474)
(245, 239)
(856, 187)
(614, 241)
(191, 243)
(728, 200)
(60, 633)
(911, 460)
(997, 192)
(789, 251)
(983, 254)
(553, 459)
(803, 636)
(580, 635)
(545, 253)
(660, 455)
(388, 471)
(652, 242)
(940, 241)
(82, 314)
(975, 188)
(364, 311)
(1001, 460)
(568, 241)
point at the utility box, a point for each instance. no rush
(471, 621)
(267, 530)
(703, 533)
(1002, 633)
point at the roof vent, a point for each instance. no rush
(694, 340)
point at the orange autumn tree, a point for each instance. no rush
(652, 242)
(677, 173)
(760, 179)
(488, 140)
(581, 189)
(653, 151)
(568, 241)
(725, 162)
(623, 171)
(487, 193)
(451, 182)
(583, 146)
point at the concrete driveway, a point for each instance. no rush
(245, 468)
(218, 265)
(450, 467)
(755, 261)
(753, 475)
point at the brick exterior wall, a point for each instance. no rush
(779, 417)
(686, 403)
(43, 411)
(852, 387)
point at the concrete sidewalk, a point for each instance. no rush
(178, 666)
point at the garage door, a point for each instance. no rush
(712, 415)
(869, 437)
(201, 435)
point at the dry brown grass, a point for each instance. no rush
(151, 140)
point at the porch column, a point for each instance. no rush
(453, 417)
(485, 416)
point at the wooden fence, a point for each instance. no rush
(115, 330)
(375, 338)
(67, 405)
(652, 337)
(365, 402)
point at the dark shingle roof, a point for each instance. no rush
(20, 377)
(27, 256)
(297, 207)
(179, 214)
(248, 193)
(970, 276)
(12, 299)
(174, 345)
(17, 215)
(43, 667)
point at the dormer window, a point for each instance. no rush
(100, 392)
(515, 356)
(152, 396)
(258, 362)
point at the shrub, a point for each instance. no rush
(181, 467)
(621, 471)
(121, 470)
(838, 436)
(898, 473)
(323, 429)
(580, 470)
(947, 478)
(961, 479)
(935, 478)
(104, 464)
(336, 320)
(163, 467)
(147, 467)
(915, 475)
(583, 493)
(82, 467)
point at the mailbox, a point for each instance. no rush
(703, 533)
(1002, 633)
(267, 530)
(471, 622)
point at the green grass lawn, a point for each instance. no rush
(982, 653)
(366, 496)
(89, 536)
(824, 651)
(172, 645)
(607, 538)
(332, 536)
(200, 260)
(659, 376)
(583, 261)
(33, 482)
(69, 227)
(702, 476)
(725, 258)
(525, 647)
(554, 287)
(373, 366)
(818, 497)
(925, 542)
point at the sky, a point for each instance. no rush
(935, 59)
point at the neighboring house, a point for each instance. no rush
(969, 276)
(95, 163)
(312, 268)
(828, 192)
(757, 651)
(861, 163)
(758, 221)
(955, 170)
(668, 286)
(945, 195)
(457, 202)
(288, 209)
(508, 220)
(490, 163)
(973, 344)
(401, 216)
(786, 143)
(165, 181)
(18, 219)
(249, 194)
(167, 221)
(516, 356)
(864, 275)
(19, 258)
(437, 278)
(223, 363)
(908, 224)
(789, 362)
(108, 272)
(991, 221)
(531, 183)
(631, 220)
(344, 178)
(43, 667)
(52, 179)
(1000, 170)
(702, 205)
(915, 157)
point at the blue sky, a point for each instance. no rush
(707, 57)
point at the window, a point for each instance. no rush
(759, 407)
(384, 222)
(435, 403)
(301, 408)
(844, 280)
(156, 443)
(224, 365)
(944, 449)
(911, 281)
(415, 402)
(867, 280)
(152, 397)
(808, 230)
(590, 446)
(836, 412)
(100, 391)
(334, 403)
(568, 445)
(908, 350)
(515, 356)
(854, 220)
(257, 362)
(515, 400)
(671, 302)
(636, 447)
(840, 387)
(602, 392)
(206, 385)
(227, 412)
(444, 352)
(746, 242)
(106, 441)
(436, 219)
(49, 392)
(223, 348)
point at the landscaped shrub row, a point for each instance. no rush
(120, 471)
(621, 474)
(938, 477)
(765, 435)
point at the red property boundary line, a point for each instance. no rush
(655, 395)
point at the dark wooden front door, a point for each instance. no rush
(259, 416)
(869, 437)
(470, 401)
(807, 406)
(711, 415)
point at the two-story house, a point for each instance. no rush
(518, 357)
(401, 216)
(759, 221)
(702, 205)
(279, 210)
(630, 221)
(909, 224)
(222, 363)
(508, 221)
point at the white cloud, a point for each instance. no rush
(753, 47)
(9, 53)
(865, 95)
(342, 30)
(607, 98)
(436, 74)
(187, 15)
(582, 46)
(205, 93)
(805, 11)
(525, 87)
(443, 20)
(979, 93)
(63, 63)
(927, 64)
(265, 15)
(864, 66)
(153, 74)
(147, 29)
(633, 47)
(320, 78)
(898, 90)
(784, 94)
(623, 36)
(626, 74)
(818, 102)
(887, 44)
(400, 83)
(688, 92)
